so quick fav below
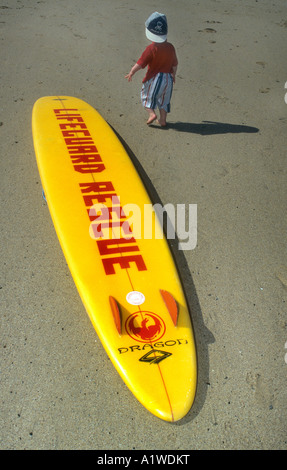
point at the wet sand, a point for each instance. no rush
(224, 150)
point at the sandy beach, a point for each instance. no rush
(224, 150)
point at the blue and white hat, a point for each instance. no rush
(156, 27)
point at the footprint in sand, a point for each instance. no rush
(207, 30)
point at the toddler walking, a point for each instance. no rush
(161, 61)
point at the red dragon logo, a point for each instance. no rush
(145, 326)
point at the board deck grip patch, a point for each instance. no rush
(116, 314)
(171, 305)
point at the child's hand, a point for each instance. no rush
(129, 76)
(133, 70)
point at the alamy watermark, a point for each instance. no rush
(150, 221)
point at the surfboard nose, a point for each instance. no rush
(167, 402)
(172, 412)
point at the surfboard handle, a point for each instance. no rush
(171, 305)
(116, 314)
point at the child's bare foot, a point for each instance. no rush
(152, 117)
(162, 119)
(162, 124)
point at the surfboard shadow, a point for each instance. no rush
(203, 337)
(208, 128)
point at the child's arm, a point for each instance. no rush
(133, 70)
(173, 72)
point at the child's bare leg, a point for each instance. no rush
(162, 119)
(152, 115)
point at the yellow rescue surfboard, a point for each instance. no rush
(126, 278)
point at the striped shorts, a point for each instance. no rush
(157, 92)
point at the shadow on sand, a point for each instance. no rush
(208, 128)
